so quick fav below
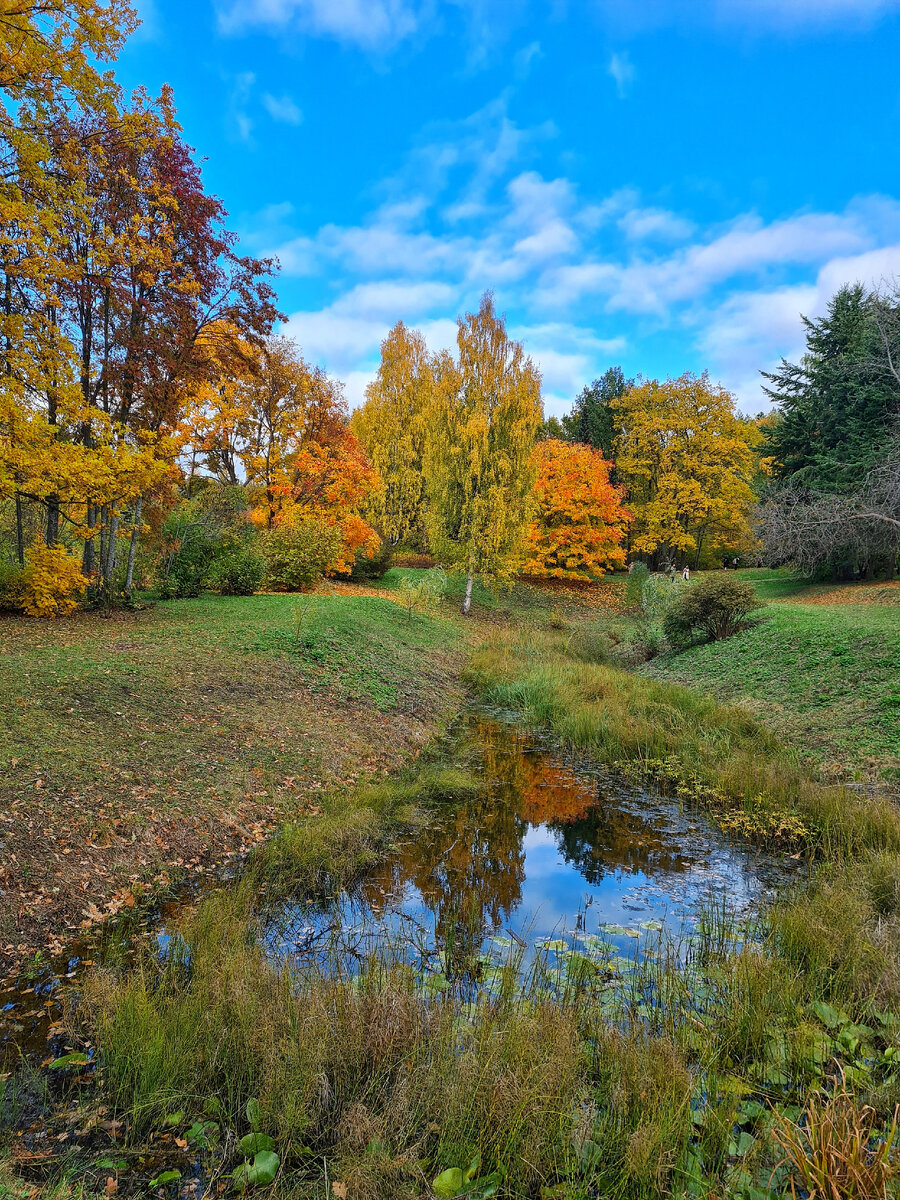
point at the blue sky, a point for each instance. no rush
(664, 184)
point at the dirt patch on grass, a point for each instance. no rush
(157, 745)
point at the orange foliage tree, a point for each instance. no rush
(580, 520)
(280, 426)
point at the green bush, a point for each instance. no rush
(238, 569)
(638, 574)
(296, 559)
(201, 530)
(366, 568)
(11, 583)
(187, 570)
(715, 607)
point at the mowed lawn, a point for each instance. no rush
(825, 676)
(165, 740)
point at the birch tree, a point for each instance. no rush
(478, 469)
(391, 427)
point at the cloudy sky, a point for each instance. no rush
(667, 189)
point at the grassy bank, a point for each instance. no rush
(823, 675)
(747, 1063)
(718, 756)
(732, 1066)
(165, 740)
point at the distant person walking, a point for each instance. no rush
(686, 574)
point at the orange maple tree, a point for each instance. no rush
(275, 423)
(580, 520)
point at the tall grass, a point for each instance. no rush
(743, 1063)
(718, 753)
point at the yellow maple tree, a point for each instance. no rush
(687, 460)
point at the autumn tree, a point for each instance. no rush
(50, 57)
(478, 468)
(147, 276)
(277, 424)
(580, 522)
(391, 426)
(686, 459)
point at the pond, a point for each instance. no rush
(550, 856)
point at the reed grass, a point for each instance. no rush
(752, 1061)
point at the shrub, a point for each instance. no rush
(638, 574)
(238, 570)
(197, 534)
(367, 567)
(422, 594)
(51, 582)
(658, 594)
(715, 607)
(10, 584)
(297, 558)
(188, 570)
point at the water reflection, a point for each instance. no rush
(548, 846)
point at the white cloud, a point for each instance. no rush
(748, 246)
(240, 92)
(787, 13)
(640, 224)
(524, 58)
(793, 17)
(282, 108)
(621, 69)
(372, 24)
(587, 280)
(345, 337)
(753, 331)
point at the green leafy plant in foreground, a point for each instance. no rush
(261, 1162)
(465, 1181)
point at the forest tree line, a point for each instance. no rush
(155, 430)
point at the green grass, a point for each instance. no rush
(673, 1080)
(694, 1075)
(719, 756)
(824, 678)
(159, 739)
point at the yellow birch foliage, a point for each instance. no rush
(391, 427)
(478, 468)
(687, 460)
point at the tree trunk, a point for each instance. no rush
(87, 557)
(20, 532)
(132, 548)
(104, 523)
(52, 534)
(111, 549)
(467, 602)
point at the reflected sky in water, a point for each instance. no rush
(549, 847)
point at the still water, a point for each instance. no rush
(549, 852)
(551, 855)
